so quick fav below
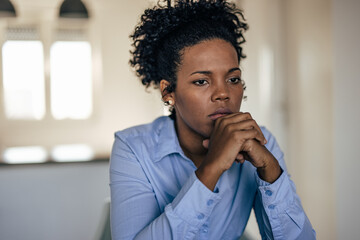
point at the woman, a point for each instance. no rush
(198, 173)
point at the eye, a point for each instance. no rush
(234, 80)
(200, 82)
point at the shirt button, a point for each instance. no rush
(268, 192)
(210, 202)
(205, 230)
(200, 216)
(271, 206)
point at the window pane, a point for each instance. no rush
(23, 79)
(72, 153)
(33, 154)
(71, 86)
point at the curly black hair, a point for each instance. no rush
(165, 30)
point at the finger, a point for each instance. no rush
(231, 118)
(240, 158)
(246, 155)
(243, 121)
(242, 135)
(250, 124)
(205, 143)
(239, 116)
(254, 153)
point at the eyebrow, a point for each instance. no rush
(209, 72)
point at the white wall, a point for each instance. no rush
(52, 201)
(289, 76)
(309, 90)
(263, 68)
(346, 114)
(263, 73)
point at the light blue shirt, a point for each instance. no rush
(155, 193)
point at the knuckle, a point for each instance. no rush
(252, 122)
(248, 115)
(254, 132)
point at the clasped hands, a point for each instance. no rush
(236, 137)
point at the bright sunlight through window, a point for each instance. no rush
(72, 153)
(71, 85)
(23, 79)
(30, 154)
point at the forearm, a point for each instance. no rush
(133, 216)
(168, 225)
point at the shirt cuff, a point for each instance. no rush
(276, 197)
(195, 202)
(283, 207)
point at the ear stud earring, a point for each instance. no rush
(169, 102)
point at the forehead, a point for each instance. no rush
(208, 55)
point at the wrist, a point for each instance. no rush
(270, 172)
(208, 175)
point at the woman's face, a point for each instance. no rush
(208, 86)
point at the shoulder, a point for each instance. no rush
(144, 130)
(137, 142)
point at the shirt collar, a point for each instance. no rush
(168, 142)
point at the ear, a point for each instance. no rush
(166, 96)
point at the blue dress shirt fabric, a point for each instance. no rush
(155, 193)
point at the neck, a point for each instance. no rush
(191, 143)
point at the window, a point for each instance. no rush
(23, 75)
(48, 89)
(71, 86)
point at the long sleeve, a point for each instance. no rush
(277, 207)
(155, 193)
(135, 213)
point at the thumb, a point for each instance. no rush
(205, 143)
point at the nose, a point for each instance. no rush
(220, 92)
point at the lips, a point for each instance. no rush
(220, 113)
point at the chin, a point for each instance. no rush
(206, 133)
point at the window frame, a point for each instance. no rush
(31, 130)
